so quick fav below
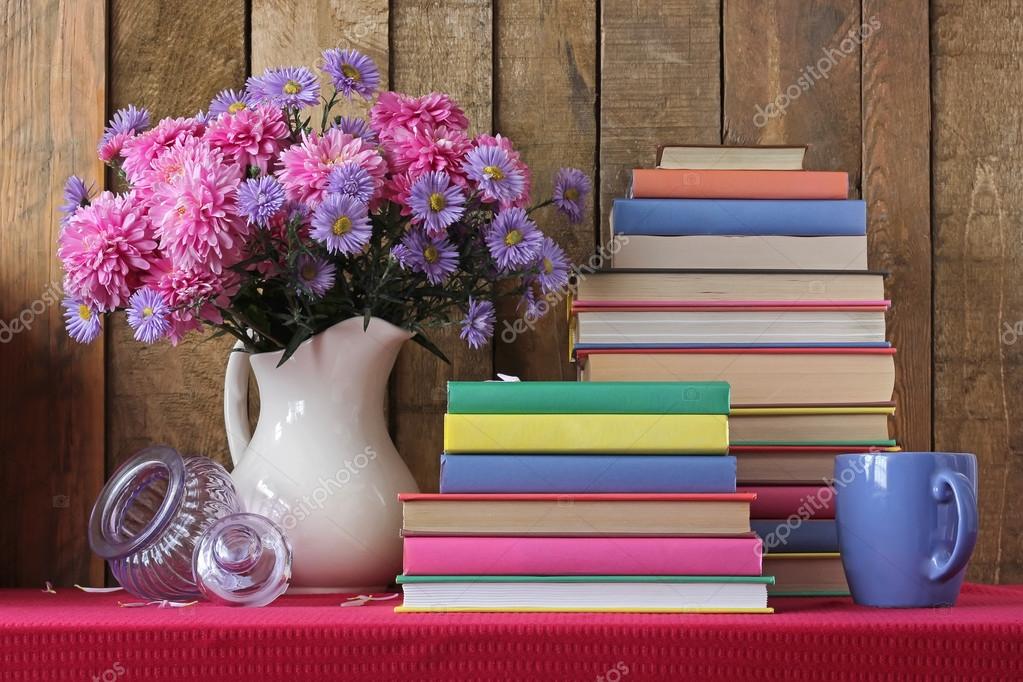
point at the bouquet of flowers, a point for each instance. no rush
(250, 220)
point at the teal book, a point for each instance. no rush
(590, 397)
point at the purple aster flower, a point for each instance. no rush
(76, 195)
(351, 72)
(341, 223)
(259, 199)
(553, 265)
(288, 86)
(130, 119)
(436, 202)
(513, 239)
(315, 275)
(351, 179)
(570, 189)
(436, 257)
(531, 304)
(356, 127)
(203, 117)
(495, 173)
(83, 322)
(230, 102)
(478, 325)
(148, 314)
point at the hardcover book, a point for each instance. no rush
(787, 464)
(663, 183)
(811, 425)
(783, 501)
(785, 536)
(806, 575)
(765, 157)
(765, 252)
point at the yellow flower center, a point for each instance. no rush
(309, 273)
(351, 72)
(572, 194)
(437, 202)
(512, 238)
(181, 209)
(235, 107)
(147, 311)
(430, 254)
(84, 312)
(548, 266)
(493, 172)
(292, 88)
(342, 226)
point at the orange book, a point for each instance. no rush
(674, 183)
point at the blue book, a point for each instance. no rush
(468, 473)
(803, 218)
(785, 536)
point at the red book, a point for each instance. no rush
(663, 183)
(783, 501)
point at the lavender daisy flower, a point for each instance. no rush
(341, 223)
(356, 127)
(436, 202)
(351, 179)
(288, 86)
(553, 266)
(315, 275)
(532, 306)
(83, 322)
(259, 199)
(492, 169)
(570, 189)
(230, 102)
(76, 195)
(513, 239)
(203, 117)
(351, 72)
(478, 325)
(149, 315)
(130, 119)
(436, 257)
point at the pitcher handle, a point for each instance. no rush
(946, 484)
(236, 402)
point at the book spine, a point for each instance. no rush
(784, 536)
(669, 434)
(784, 501)
(529, 473)
(672, 217)
(562, 397)
(738, 184)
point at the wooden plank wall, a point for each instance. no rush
(595, 85)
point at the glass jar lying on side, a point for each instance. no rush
(171, 527)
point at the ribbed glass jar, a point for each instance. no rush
(151, 514)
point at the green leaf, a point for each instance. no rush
(429, 345)
(296, 341)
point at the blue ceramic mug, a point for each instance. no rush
(907, 524)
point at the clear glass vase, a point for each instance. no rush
(159, 506)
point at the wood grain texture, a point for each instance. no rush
(443, 45)
(660, 83)
(896, 178)
(171, 58)
(545, 101)
(977, 84)
(52, 57)
(792, 76)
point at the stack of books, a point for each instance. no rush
(565, 496)
(734, 264)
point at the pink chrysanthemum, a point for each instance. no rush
(140, 151)
(194, 212)
(250, 137)
(110, 148)
(394, 111)
(423, 150)
(104, 249)
(193, 294)
(305, 168)
(516, 160)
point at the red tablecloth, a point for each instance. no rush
(76, 636)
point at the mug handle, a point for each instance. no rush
(948, 484)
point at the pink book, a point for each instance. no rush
(783, 501)
(443, 555)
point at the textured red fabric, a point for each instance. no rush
(77, 636)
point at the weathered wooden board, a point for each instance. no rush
(660, 83)
(977, 84)
(896, 186)
(545, 101)
(52, 59)
(171, 58)
(442, 45)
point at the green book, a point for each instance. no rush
(590, 397)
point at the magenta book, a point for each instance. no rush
(476, 555)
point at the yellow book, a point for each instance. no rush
(652, 434)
